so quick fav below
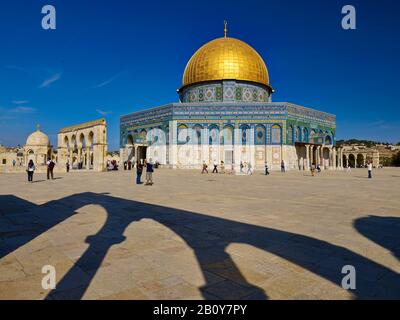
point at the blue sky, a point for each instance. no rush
(109, 58)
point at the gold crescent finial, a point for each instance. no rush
(225, 28)
(38, 127)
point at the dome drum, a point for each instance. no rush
(225, 91)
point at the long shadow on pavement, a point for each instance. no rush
(207, 236)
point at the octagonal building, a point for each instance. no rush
(225, 114)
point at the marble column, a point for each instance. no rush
(307, 164)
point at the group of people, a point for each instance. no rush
(215, 169)
(149, 166)
(50, 169)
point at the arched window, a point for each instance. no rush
(290, 135)
(143, 136)
(305, 135)
(328, 140)
(129, 140)
(245, 133)
(276, 134)
(183, 134)
(227, 136)
(260, 135)
(213, 136)
(297, 134)
(197, 132)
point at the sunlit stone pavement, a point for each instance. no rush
(193, 236)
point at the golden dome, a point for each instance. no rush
(38, 138)
(225, 59)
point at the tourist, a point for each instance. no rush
(215, 170)
(149, 172)
(204, 168)
(318, 168)
(139, 171)
(129, 165)
(312, 168)
(249, 169)
(14, 162)
(283, 168)
(50, 168)
(30, 170)
(266, 169)
(222, 167)
(241, 167)
(67, 165)
(348, 168)
(125, 165)
(369, 167)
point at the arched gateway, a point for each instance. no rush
(84, 146)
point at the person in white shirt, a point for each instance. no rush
(215, 170)
(369, 167)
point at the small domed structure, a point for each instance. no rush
(38, 147)
(38, 138)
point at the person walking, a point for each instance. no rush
(50, 167)
(318, 168)
(67, 166)
(14, 162)
(149, 172)
(204, 170)
(283, 169)
(266, 169)
(369, 167)
(249, 169)
(215, 170)
(312, 168)
(222, 167)
(139, 171)
(30, 170)
(348, 168)
(241, 167)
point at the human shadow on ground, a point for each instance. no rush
(207, 236)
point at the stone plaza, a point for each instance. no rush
(193, 236)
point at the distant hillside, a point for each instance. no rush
(367, 143)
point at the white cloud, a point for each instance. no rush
(20, 102)
(103, 113)
(50, 80)
(23, 110)
(108, 81)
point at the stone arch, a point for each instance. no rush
(360, 160)
(351, 160)
(66, 142)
